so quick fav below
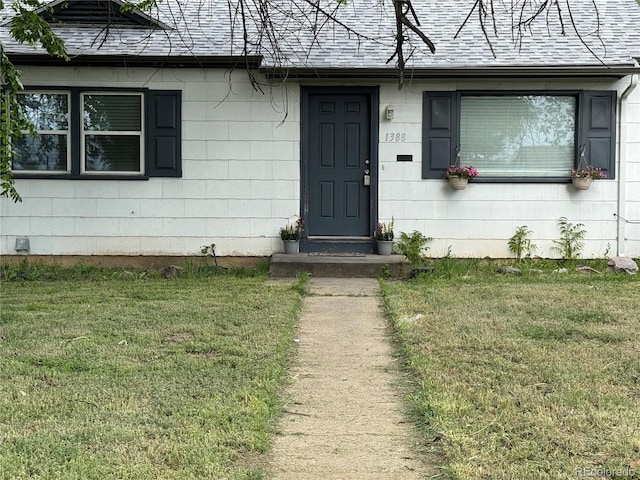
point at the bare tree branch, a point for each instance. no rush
(481, 9)
(401, 9)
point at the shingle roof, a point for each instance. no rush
(201, 28)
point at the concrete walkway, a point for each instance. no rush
(344, 416)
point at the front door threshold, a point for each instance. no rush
(337, 245)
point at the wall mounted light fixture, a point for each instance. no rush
(388, 112)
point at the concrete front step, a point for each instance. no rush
(338, 265)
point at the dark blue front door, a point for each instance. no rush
(338, 157)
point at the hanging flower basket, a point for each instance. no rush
(582, 176)
(459, 175)
(457, 183)
(581, 183)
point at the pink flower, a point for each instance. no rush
(464, 171)
(591, 171)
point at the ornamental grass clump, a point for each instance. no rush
(463, 171)
(292, 230)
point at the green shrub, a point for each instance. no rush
(520, 243)
(570, 244)
(413, 247)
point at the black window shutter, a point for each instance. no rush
(163, 130)
(439, 132)
(598, 129)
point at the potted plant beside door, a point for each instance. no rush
(290, 235)
(384, 237)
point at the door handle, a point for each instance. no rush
(367, 178)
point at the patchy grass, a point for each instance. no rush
(200, 268)
(536, 376)
(119, 375)
(477, 268)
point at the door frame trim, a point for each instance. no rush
(337, 244)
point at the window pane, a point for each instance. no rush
(112, 112)
(47, 111)
(112, 153)
(44, 152)
(518, 136)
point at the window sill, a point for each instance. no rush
(58, 176)
(522, 180)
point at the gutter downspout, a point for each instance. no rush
(622, 155)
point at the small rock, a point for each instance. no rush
(561, 270)
(507, 270)
(586, 269)
(412, 319)
(171, 271)
(623, 264)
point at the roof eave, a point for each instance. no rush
(254, 62)
(618, 71)
(173, 61)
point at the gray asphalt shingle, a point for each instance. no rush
(609, 35)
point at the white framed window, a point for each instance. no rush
(50, 150)
(111, 133)
(100, 133)
(518, 135)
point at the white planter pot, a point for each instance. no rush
(385, 247)
(291, 246)
(458, 183)
(581, 183)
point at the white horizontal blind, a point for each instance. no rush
(518, 136)
(112, 133)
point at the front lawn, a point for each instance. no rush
(120, 375)
(524, 377)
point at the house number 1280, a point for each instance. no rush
(395, 137)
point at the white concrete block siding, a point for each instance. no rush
(241, 179)
(70, 245)
(632, 205)
(478, 221)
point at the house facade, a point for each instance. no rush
(159, 154)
